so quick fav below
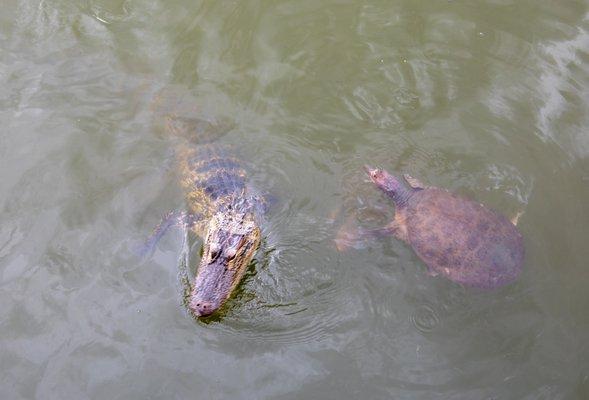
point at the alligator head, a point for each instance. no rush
(230, 244)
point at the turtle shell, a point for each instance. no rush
(463, 240)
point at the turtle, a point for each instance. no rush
(455, 237)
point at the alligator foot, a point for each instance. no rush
(170, 219)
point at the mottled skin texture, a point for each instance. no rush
(222, 210)
(455, 237)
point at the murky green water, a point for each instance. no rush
(486, 98)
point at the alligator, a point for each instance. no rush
(222, 209)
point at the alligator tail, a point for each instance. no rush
(176, 114)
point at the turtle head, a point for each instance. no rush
(389, 184)
(230, 244)
(382, 178)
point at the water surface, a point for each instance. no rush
(486, 98)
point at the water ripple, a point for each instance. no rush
(425, 319)
(487, 98)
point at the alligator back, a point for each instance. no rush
(209, 175)
(211, 179)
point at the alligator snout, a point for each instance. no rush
(202, 308)
(231, 241)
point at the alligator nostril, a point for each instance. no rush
(203, 308)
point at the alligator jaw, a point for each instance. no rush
(230, 244)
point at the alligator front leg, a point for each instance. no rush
(170, 219)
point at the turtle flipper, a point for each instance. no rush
(349, 236)
(515, 219)
(398, 227)
(414, 182)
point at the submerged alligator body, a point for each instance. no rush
(221, 208)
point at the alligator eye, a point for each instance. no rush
(214, 251)
(231, 254)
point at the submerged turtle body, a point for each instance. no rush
(456, 237)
